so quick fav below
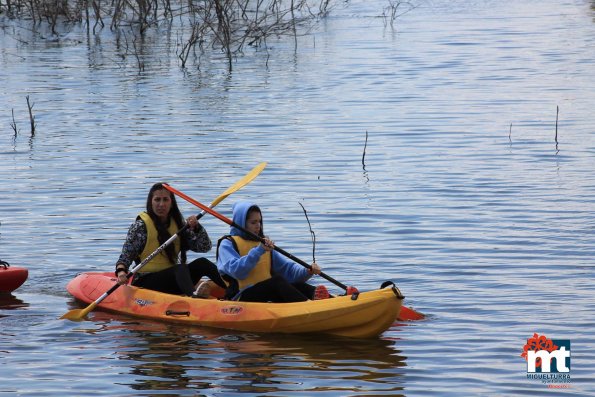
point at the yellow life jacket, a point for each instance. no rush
(161, 261)
(260, 272)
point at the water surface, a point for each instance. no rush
(462, 196)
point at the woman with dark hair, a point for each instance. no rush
(255, 271)
(168, 271)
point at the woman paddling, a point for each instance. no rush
(256, 272)
(165, 273)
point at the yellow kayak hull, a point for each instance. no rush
(368, 316)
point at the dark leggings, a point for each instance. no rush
(179, 279)
(277, 289)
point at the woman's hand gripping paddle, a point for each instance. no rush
(79, 314)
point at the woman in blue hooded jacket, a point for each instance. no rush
(261, 273)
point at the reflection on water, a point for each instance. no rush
(181, 358)
(10, 302)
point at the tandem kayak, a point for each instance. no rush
(372, 313)
(11, 277)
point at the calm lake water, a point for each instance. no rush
(462, 196)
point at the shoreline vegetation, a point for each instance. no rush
(227, 26)
(200, 27)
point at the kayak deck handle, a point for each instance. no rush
(395, 289)
(177, 313)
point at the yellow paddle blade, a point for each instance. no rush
(240, 184)
(79, 314)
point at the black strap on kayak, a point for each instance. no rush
(395, 289)
(4, 263)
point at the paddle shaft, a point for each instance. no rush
(252, 235)
(406, 313)
(135, 269)
(76, 314)
(236, 186)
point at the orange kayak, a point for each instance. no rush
(368, 316)
(12, 277)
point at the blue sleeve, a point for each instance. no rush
(288, 269)
(231, 263)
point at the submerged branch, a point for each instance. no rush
(31, 117)
(311, 233)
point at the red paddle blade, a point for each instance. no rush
(407, 314)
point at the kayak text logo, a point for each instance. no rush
(548, 360)
(231, 310)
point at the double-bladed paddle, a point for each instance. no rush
(405, 314)
(79, 314)
(247, 232)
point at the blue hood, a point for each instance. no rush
(240, 213)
